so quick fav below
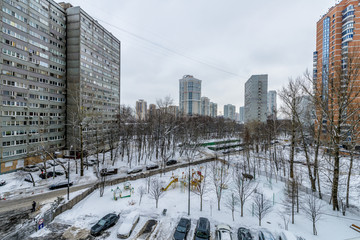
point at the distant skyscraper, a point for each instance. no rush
(205, 106)
(141, 109)
(256, 98)
(152, 110)
(229, 111)
(241, 114)
(271, 104)
(213, 109)
(190, 92)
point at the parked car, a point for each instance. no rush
(128, 225)
(108, 171)
(171, 162)
(223, 232)
(286, 235)
(52, 163)
(104, 223)
(2, 182)
(244, 234)
(42, 166)
(182, 229)
(151, 166)
(50, 174)
(135, 170)
(60, 185)
(264, 234)
(31, 168)
(202, 230)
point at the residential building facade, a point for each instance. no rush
(205, 106)
(45, 75)
(242, 114)
(93, 77)
(33, 80)
(271, 104)
(256, 98)
(189, 95)
(229, 111)
(141, 109)
(335, 66)
(213, 109)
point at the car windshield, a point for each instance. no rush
(201, 234)
(102, 222)
(181, 229)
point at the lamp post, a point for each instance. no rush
(68, 186)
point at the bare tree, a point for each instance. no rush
(312, 207)
(202, 187)
(220, 178)
(141, 191)
(231, 202)
(262, 206)
(155, 190)
(243, 188)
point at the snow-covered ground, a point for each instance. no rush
(91, 209)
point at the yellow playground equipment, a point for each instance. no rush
(174, 180)
(196, 179)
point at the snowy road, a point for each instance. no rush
(22, 203)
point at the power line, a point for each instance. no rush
(157, 45)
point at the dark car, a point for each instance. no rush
(135, 170)
(151, 166)
(171, 162)
(182, 229)
(59, 185)
(50, 174)
(264, 234)
(108, 171)
(106, 222)
(31, 168)
(244, 234)
(2, 182)
(202, 230)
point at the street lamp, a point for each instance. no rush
(68, 186)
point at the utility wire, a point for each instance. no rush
(167, 49)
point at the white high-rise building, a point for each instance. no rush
(205, 106)
(190, 92)
(271, 104)
(213, 109)
(141, 109)
(229, 111)
(241, 114)
(256, 98)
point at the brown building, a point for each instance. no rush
(336, 73)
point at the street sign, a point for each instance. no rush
(40, 223)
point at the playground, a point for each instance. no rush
(123, 198)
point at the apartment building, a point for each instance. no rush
(55, 61)
(256, 98)
(335, 64)
(189, 95)
(33, 80)
(271, 104)
(213, 109)
(205, 106)
(229, 112)
(141, 109)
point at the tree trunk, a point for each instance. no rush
(348, 180)
(335, 186)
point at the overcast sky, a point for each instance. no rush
(221, 42)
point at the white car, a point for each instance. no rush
(286, 235)
(223, 232)
(128, 225)
(135, 170)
